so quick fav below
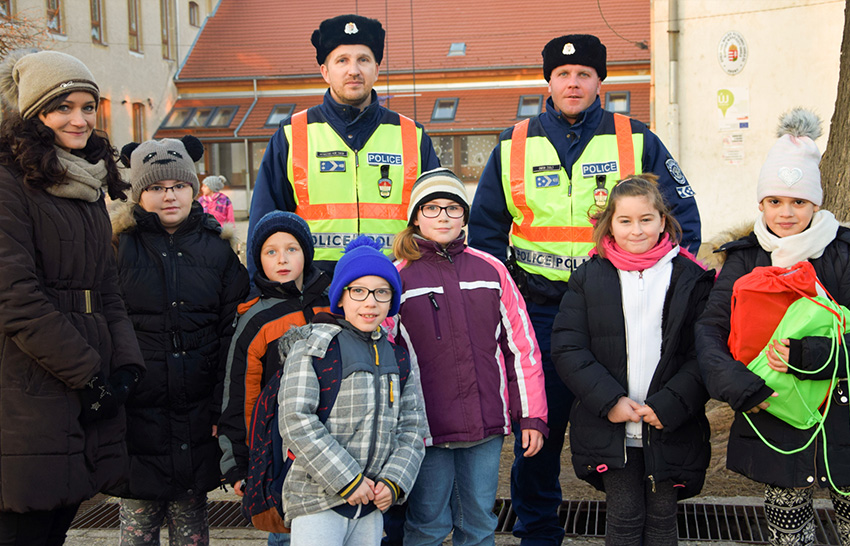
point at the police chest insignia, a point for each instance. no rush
(332, 153)
(332, 166)
(385, 187)
(569, 49)
(383, 159)
(545, 168)
(351, 28)
(675, 171)
(547, 181)
(594, 169)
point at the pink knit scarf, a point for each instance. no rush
(628, 261)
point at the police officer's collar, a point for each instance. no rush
(349, 114)
(590, 116)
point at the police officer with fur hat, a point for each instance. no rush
(350, 157)
(531, 209)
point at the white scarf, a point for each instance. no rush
(809, 243)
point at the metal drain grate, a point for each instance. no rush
(705, 522)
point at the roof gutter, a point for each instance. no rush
(250, 109)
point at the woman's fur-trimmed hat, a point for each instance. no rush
(29, 79)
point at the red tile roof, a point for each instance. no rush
(261, 38)
(482, 110)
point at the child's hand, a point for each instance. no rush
(763, 405)
(383, 497)
(238, 488)
(364, 494)
(215, 431)
(624, 410)
(532, 441)
(778, 353)
(649, 416)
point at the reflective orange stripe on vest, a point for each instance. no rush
(625, 145)
(378, 211)
(544, 234)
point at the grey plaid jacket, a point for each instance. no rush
(373, 427)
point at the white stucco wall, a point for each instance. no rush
(121, 74)
(793, 55)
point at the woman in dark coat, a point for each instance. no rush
(68, 356)
(182, 284)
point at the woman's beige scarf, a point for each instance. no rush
(83, 180)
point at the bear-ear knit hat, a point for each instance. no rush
(583, 49)
(155, 160)
(792, 168)
(30, 79)
(363, 257)
(439, 183)
(348, 30)
(288, 222)
(214, 182)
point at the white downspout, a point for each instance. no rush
(672, 140)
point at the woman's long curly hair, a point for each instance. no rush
(29, 146)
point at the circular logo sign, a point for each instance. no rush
(732, 52)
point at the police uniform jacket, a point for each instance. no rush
(274, 191)
(490, 221)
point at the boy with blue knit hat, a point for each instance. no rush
(288, 292)
(366, 453)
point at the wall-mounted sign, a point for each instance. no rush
(732, 52)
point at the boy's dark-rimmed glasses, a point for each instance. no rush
(432, 211)
(360, 293)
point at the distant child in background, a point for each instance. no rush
(181, 284)
(790, 228)
(216, 203)
(623, 342)
(465, 324)
(288, 291)
(365, 456)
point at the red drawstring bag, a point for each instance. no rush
(759, 301)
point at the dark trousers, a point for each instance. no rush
(394, 525)
(535, 487)
(639, 512)
(37, 528)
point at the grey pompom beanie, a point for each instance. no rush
(168, 159)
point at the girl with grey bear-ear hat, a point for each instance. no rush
(69, 358)
(181, 284)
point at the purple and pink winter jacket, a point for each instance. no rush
(465, 325)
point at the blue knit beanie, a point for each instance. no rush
(288, 222)
(363, 257)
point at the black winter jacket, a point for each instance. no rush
(589, 353)
(53, 250)
(181, 291)
(730, 381)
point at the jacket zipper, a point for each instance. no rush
(377, 376)
(435, 307)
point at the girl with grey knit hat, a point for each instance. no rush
(182, 284)
(69, 358)
(215, 202)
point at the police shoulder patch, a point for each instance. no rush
(675, 171)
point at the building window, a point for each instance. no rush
(444, 110)
(529, 106)
(200, 117)
(618, 102)
(165, 20)
(177, 118)
(135, 40)
(457, 49)
(194, 14)
(96, 21)
(6, 9)
(280, 112)
(54, 16)
(466, 155)
(138, 122)
(222, 116)
(104, 115)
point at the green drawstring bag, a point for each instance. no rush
(799, 401)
